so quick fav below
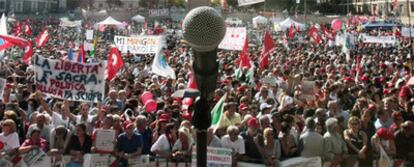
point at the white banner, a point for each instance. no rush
(70, 80)
(301, 161)
(249, 2)
(405, 32)
(89, 34)
(158, 13)
(215, 157)
(234, 38)
(139, 44)
(378, 39)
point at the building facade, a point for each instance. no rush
(32, 6)
(399, 9)
(126, 4)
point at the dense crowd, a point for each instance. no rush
(358, 106)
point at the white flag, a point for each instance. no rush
(3, 31)
(160, 66)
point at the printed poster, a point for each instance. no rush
(105, 140)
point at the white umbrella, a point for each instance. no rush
(138, 18)
(110, 21)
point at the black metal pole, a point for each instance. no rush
(205, 67)
(409, 29)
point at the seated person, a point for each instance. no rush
(34, 142)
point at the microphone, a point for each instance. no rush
(203, 28)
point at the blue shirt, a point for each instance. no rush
(129, 145)
(147, 140)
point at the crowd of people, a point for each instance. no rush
(359, 108)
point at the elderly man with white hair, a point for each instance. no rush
(311, 142)
(335, 148)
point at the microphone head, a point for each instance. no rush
(203, 28)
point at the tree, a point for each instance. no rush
(114, 3)
(73, 4)
(215, 3)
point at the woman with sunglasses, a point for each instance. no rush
(356, 139)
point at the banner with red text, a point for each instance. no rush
(70, 80)
(220, 157)
(139, 44)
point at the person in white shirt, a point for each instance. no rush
(9, 137)
(235, 142)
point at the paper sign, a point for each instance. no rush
(89, 34)
(249, 2)
(98, 160)
(2, 86)
(70, 80)
(220, 157)
(138, 45)
(105, 140)
(33, 157)
(234, 38)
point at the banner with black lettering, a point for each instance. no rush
(70, 80)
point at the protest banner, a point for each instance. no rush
(33, 157)
(249, 2)
(378, 39)
(405, 32)
(219, 157)
(2, 86)
(105, 140)
(89, 34)
(139, 44)
(70, 80)
(302, 161)
(87, 46)
(140, 161)
(158, 13)
(98, 160)
(234, 38)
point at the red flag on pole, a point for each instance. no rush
(268, 46)
(115, 63)
(42, 39)
(292, 31)
(313, 32)
(245, 54)
(27, 28)
(18, 29)
(22, 43)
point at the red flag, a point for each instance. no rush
(115, 63)
(292, 31)
(191, 81)
(397, 33)
(327, 32)
(22, 43)
(81, 54)
(268, 46)
(18, 29)
(42, 39)
(245, 55)
(27, 28)
(313, 32)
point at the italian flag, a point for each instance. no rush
(245, 63)
(217, 111)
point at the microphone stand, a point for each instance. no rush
(205, 67)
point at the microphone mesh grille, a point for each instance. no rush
(203, 28)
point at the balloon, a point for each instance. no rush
(336, 24)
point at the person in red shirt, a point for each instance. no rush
(34, 142)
